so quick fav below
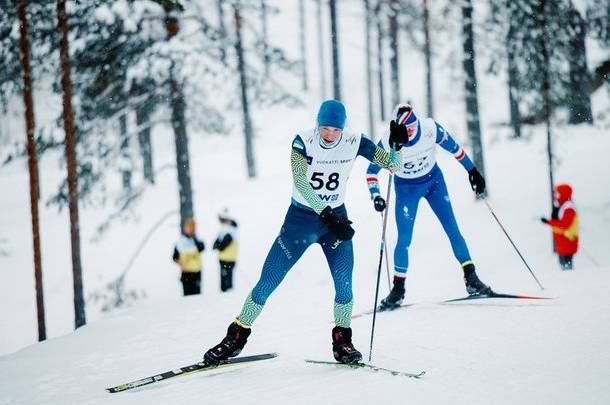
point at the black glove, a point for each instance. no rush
(544, 220)
(379, 203)
(337, 224)
(477, 182)
(398, 135)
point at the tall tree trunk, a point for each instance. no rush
(428, 57)
(335, 47)
(70, 143)
(178, 107)
(302, 35)
(546, 89)
(222, 31)
(143, 121)
(579, 101)
(322, 59)
(266, 57)
(125, 152)
(380, 59)
(241, 64)
(369, 70)
(513, 86)
(395, 70)
(472, 105)
(30, 125)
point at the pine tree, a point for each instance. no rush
(265, 37)
(541, 25)
(244, 92)
(334, 32)
(428, 58)
(144, 110)
(379, 13)
(513, 84)
(222, 30)
(120, 65)
(579, 87)
(598, 23)
(71, 159)
(302, 43)
(41, 22)
(472, 104)
(516, 23)
(394, 51)
(368, 17)
(321, 57)
(24, 46)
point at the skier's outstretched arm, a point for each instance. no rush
(379, 159)
(372, 180)
(377, 155)
(446, 141)
(565, 222)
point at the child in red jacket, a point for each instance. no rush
(564, 225)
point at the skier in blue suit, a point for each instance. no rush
(420, 177)
(321, 160)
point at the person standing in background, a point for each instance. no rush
(564, 223)
(226, 244)
(187, 253)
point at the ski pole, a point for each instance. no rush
(387, 263)
(381, 250)
(511, 241)
(591, 259)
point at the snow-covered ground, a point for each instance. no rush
(503, 351)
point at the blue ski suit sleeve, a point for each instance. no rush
(372, 180)
(446, 141)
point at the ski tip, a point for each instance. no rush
(254, 357)
(498, 295)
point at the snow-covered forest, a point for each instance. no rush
(121, 119)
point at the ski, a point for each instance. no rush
(193, 368)
(367, 366)
(370, 311)
(498, 295)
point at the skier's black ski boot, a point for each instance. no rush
(397, 294)
(474, 286)
(230, 346)
(343, 349)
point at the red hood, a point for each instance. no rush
(564, 192)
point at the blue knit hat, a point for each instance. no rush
(332, 114)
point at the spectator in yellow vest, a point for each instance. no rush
(226, 244)
(187, 254)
